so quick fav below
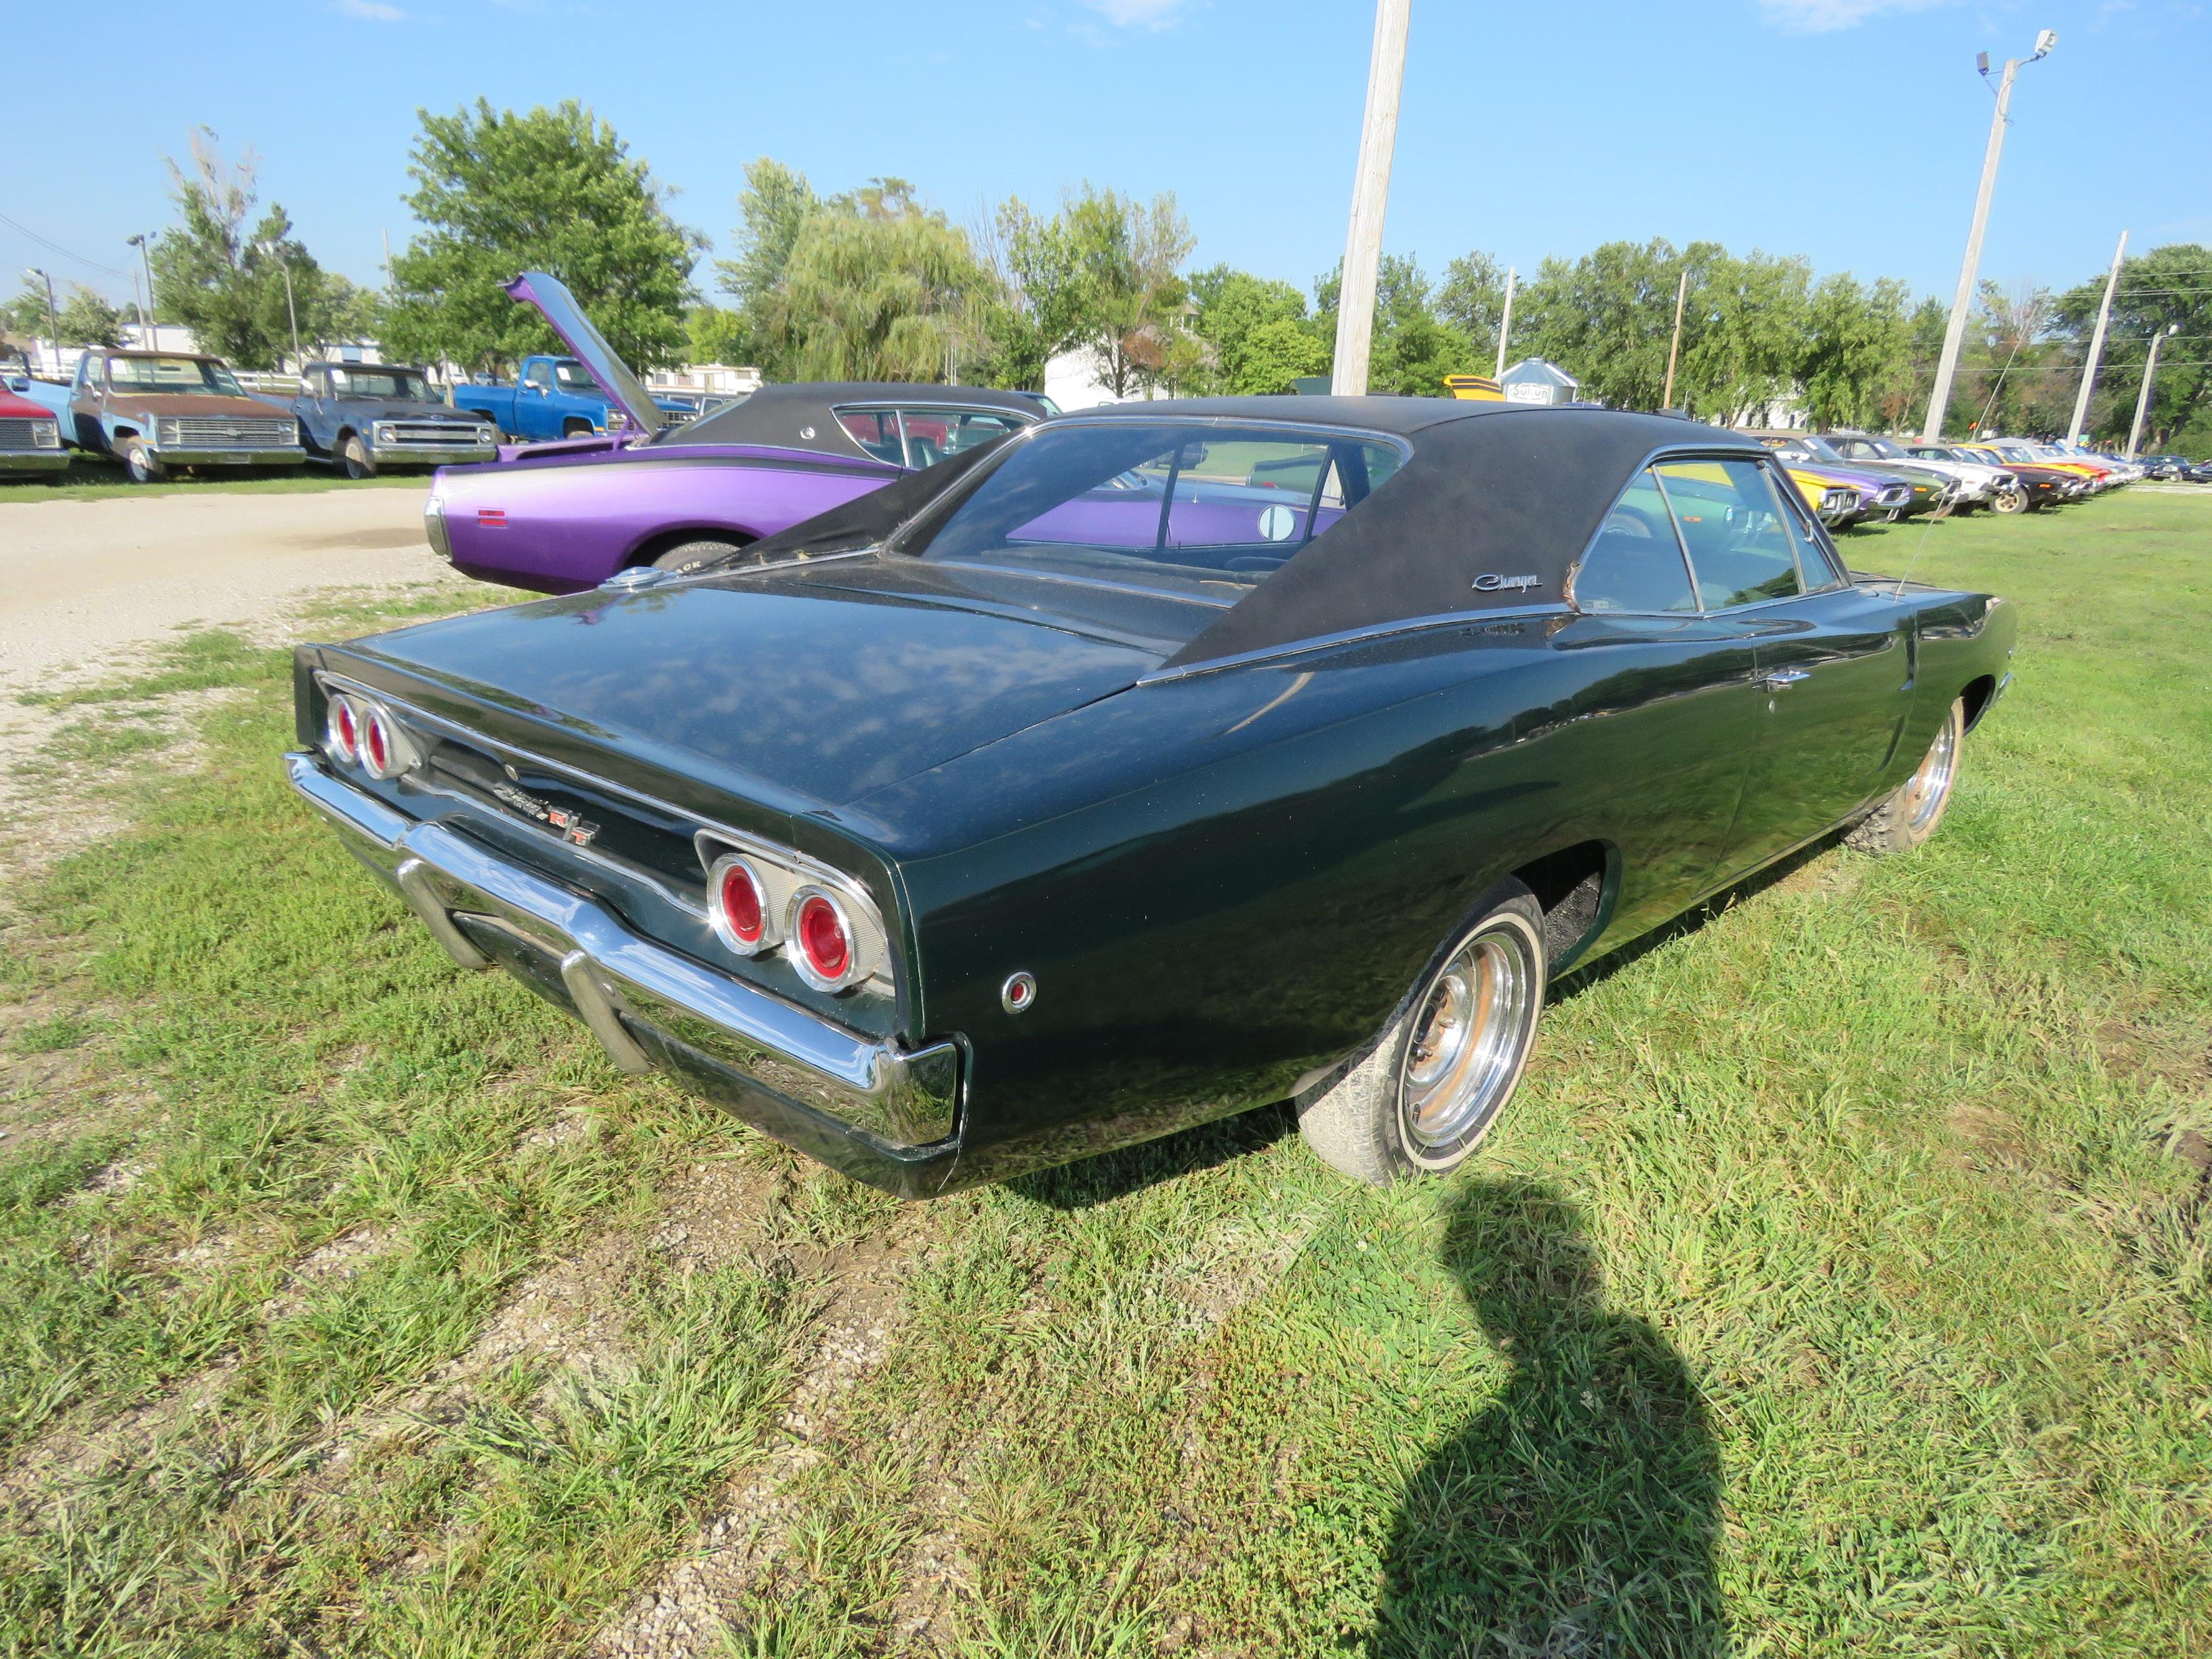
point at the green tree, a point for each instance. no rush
(772, 211)
(1413, 347)
(221, 269)
(2005, 384)
(1128, 259)
(1472, 299)
(1856, 349)
(1259, 336)
(554, 189)
(713, 335)
(2158, 290)
(1041, 305)
(877, 288)
(88, 319)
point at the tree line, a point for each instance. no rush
(872, 283)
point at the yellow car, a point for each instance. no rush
(1474, 388)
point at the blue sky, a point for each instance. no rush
(1849, 130)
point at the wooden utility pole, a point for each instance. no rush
(1370, 196)
(2142, 398)
(2096, 346)
(1675, 346)
(1504, 325)
(1962, 302)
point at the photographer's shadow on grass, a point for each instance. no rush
(1577, 1513)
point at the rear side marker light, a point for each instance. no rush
(824, 947)
(491, 518)
(740, 906)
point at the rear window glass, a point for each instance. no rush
(1217, 503)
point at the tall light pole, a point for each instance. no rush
(1504, 325)
(53, 318)
(273, 251)
(2096, 346)
(2142, 398)
(145, 312)
(1956, 332)
(1370, 196)
(1675, 346)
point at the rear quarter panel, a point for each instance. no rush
(564, 526)
(1223, 882)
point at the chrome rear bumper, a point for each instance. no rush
(650, 1007)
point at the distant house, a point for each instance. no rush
(1533, 380)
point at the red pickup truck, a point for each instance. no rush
(30, 437)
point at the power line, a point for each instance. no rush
(65, 253)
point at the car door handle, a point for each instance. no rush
(1781, 678)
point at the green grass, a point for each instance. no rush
(93, 478)
(1832, 1288)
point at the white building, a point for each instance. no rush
(1070, 379)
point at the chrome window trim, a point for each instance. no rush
(1350, 635)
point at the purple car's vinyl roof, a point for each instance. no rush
(802, 414)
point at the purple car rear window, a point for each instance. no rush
(1222, 503)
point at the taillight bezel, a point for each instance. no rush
(856, 968)
(342, 730)
(717, 915)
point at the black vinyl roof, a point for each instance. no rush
(1491, 491)
(782, 414)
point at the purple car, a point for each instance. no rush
(563, 517)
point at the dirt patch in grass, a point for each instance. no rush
(688, 1609)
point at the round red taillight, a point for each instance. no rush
(342, 734)
(376, 744)
(825, 940)
(740, 906)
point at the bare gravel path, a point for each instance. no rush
(85, 586)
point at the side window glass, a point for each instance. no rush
(1742, 549)
(933, 435)
(875, 430)
(1635, 565)
(541, 377)
(1816, 567)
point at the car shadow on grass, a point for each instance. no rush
(1579, 1511)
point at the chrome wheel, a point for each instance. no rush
(1468, 1042)
(1930, 787)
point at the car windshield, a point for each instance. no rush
(185, 374)
(1181, 504)
(573, 377)
(352, 382)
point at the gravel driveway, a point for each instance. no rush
(84, 584)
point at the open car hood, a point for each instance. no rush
(558, 306)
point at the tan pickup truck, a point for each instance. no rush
(153, 410)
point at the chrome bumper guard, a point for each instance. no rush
(431, 454)
(646, 1005)
(276, 455)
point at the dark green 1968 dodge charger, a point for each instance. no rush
(1150, 765)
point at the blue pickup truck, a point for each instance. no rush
(363, 417)
(553, 397)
